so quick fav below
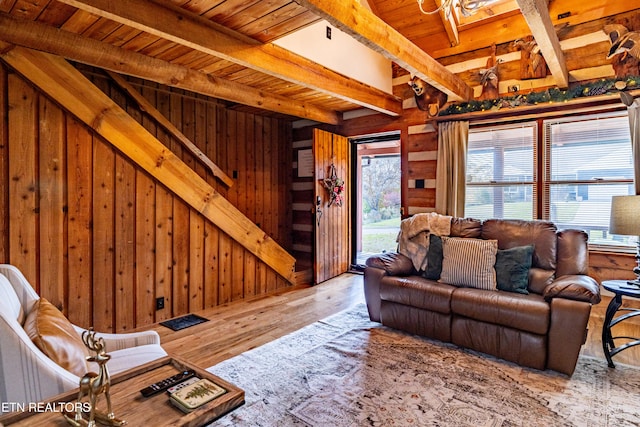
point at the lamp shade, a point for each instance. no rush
(625, 215)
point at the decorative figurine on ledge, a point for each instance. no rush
(532, 63)
(427, 97)
(625, 50)
(94, 384)
(489, 77)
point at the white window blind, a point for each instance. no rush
(501, 172)
(587, 160)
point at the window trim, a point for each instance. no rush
(542, 166)
(546, 182)
(535, 173)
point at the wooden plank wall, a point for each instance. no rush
(418, 148)
(101, 239)
(302, 208)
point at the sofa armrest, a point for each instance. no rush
(567, 333)
(575, 287)
(379, 266)
(393, 263)
(115, 342)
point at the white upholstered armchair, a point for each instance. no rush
(27, 374)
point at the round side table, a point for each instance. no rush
(619, 288)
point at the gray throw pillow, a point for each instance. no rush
(434, 258)
(512, 268)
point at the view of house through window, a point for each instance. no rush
(590, 160)
(501, 173)
(586, 160)
(378, 201)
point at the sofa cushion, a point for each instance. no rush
(524, 312)
(417, 292)
(573, 253)
(514, 232)
(466, 227)
(469, 262)
(417, 321)
(539, 279)
(522, 347)
(512, 269)
(56, 337)
(434, 258)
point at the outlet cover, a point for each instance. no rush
(159, 303)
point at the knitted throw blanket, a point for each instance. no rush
(413, 239)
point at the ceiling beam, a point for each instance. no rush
(536, 13)
(163, 121)
(173, 23)
(449, 23)
(356, 20)
(92, 52)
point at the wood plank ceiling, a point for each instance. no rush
(224, 49)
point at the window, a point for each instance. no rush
(588, 160)
(585, 160)
(501, 173)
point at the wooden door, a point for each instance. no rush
(332, 249)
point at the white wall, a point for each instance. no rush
(342, 54)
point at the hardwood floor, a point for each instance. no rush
(237, 327)
(241, 326)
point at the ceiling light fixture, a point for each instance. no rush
(467, 7)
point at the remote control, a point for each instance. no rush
(183, 384)
(166, 383)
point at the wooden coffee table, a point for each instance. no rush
(131, 406)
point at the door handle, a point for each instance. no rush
(318, 210)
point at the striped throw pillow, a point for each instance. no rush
(469, 262)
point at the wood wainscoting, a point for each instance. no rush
(102, 239)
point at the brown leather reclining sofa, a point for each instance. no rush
(543, 329)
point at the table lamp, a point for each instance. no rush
(625, 220)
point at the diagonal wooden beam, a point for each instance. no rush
(354, 19)
(170, 127)
(74, 92)
(92, 52)
(180, 26)
(449, 22)
(536, 13)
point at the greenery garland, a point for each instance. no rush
(599, 87)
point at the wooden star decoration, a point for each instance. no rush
(335, 187)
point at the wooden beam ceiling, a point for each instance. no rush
(449, 22)
(183, 27)
(356, 20)
(536, 13)
(92, 52)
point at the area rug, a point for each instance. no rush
(348, 371)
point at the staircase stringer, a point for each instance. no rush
(74, 92)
